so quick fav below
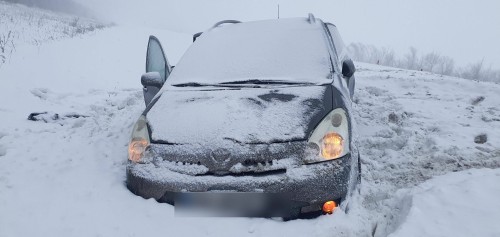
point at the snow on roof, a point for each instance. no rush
(285, 49)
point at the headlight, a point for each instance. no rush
(330, 139)
(139, 141)
(332, 145)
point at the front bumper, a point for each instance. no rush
(311, 184)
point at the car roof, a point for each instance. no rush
(293, 49)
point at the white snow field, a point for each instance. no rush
(25, 25)
(423, 174)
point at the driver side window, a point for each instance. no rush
(156, 61)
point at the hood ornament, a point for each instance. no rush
(220, 155)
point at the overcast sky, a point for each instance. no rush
(465, 30)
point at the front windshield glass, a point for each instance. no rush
(286, 50)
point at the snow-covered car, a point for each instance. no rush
(256, 107)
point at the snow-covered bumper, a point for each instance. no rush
(310, 185)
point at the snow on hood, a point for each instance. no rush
(247, 115)
(286, 49)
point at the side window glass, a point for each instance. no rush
(155, 60)
(337, 40)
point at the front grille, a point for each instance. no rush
(231, 158)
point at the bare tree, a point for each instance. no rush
(388, 57)
(445, 66)
(411, 59)
(429, 61)
(374, 54)
(6, 46)
(473, 71)
(357, 51)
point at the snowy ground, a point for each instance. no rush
(423, 174)
(23, 25)
(414, 126)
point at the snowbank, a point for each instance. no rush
(457, 204)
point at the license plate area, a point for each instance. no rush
(232, 204)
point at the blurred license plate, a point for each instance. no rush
(224, 204)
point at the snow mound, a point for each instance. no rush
(457, 204)
(413, 126)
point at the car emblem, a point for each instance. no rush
(221, 155)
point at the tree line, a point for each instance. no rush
(430, 62)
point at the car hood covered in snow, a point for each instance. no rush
(246, 115)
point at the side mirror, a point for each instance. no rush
(152, 82)
(348, 68)
(152, 79)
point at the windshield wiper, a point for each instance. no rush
(266, 82)
(196, 84)
(252, 83)
(189, 84)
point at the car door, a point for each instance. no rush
(342, 55)
(156, 61)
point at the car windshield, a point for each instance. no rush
(278, 51)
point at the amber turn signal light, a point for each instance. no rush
(329, 207)
(136, 149)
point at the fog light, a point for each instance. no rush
(329, 207)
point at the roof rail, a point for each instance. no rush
(195, 36)
(311, 18)
(329, 23)
(225, 22)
